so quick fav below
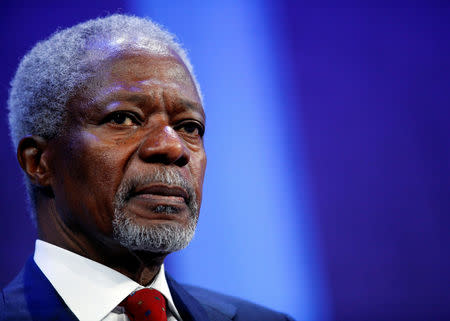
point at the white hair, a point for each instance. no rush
(56, 68)
(52, 72)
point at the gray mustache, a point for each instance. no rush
(168, 176)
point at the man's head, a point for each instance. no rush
(113, 124)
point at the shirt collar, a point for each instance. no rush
(91, 290)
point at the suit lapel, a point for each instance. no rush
(192, 309)
(42, 300)
(35, 292)
(188, 307)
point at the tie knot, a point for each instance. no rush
(145, 304)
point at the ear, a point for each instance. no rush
(32, 156)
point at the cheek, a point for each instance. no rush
(198, 172)
(88, 175)
(90, 164)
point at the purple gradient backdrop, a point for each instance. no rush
(369, 97)
(373, 90)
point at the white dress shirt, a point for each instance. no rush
(92, 290)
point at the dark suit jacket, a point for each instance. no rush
(30, 296)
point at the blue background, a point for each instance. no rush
(328, 141)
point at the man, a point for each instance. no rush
(108, 123)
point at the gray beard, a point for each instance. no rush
(161, 238)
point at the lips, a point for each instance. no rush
(171, 192)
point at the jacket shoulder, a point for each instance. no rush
(13, 304)
(30, 296)
(231, 305)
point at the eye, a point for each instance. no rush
(192, 128)
(122, 118)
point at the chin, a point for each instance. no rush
(163, 237)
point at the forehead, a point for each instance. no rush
(145, 73)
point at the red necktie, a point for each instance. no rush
(145, 305)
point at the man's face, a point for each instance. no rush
(129, 167)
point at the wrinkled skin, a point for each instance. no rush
(140, 112)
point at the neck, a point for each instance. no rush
(139, 266)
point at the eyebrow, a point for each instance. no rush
(188, 104)
(139, 98)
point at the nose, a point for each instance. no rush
(165, 146)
